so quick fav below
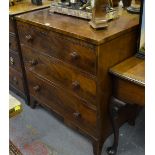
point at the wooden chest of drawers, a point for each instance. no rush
(17, 80)
(67, 64)
(16, 77)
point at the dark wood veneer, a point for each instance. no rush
(61, 73)
(15, 79)
(64, 57)
(11, 25)
(72, 107)
(13, 45)
(128, 79)
(75, 52)
(14, 61)
(15, 56)
(16, 76)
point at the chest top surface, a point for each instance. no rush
(80, 28)
(26, 6)
(132, 69)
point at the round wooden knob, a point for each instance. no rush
(36, 88)
(33, 62)
(12, 62)
(74, 56)
(77, 115)
(75, 85)
(15, 80)
(28, 37)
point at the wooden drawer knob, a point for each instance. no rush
(33, 62)
(12, 62)
(74, 56)
(28, 37)
(36, 88)
(15, 80)
(77, 115)
(75, 85)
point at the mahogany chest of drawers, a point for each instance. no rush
(16, 77)
(67, 64)
(17, 80)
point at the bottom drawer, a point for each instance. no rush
(15, 79)
(62, 102)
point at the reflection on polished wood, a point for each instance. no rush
(26, 6)
(17, 81)
(80, 28)
(132, 69)
(67, 64)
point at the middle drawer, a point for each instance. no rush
(61, 73)
(13, 45)
(14, 60)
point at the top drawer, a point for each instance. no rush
(70, 50)
(11, 25)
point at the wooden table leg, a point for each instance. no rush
(114, 108)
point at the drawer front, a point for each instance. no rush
(129, 92)
(11, 25)
(15, 79)
(13, 43)
(60, 73)
(75, 52)
(62, 102)
(14, 61)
